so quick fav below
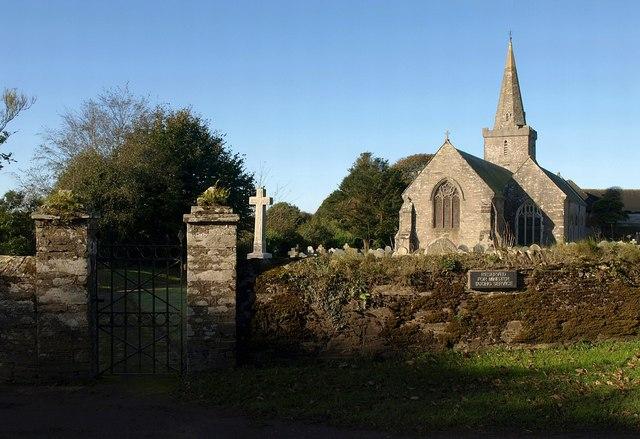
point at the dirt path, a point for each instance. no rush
(134, 409)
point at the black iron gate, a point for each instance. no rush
(139, 305)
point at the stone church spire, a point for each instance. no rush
(510, 109)
(511, 141)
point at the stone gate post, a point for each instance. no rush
(211, 287)
(63, 266)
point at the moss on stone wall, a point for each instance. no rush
(349, 304)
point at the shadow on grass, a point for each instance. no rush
(582, 388)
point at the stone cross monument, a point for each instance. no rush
(261, 201)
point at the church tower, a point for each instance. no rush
(511, 141)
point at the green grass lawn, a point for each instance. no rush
(141, 341)
(583, 387)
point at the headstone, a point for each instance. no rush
(402, 251)
(302, 255)
(293, 253)
(479, 248)
(463, 249)
(261, 201)
(339, 251)
(388, 250)
(441, 246)
(349, 250)
(379, 253)
(310, 250)
(493, 280)
(321, 250)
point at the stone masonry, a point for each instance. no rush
(63, 267)
(18, 332)
(460, 201)
(475, 203)
(211, 287)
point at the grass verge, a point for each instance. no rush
(577, 388)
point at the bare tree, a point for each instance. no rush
(264, 178)
(14, 103)
(100, 125)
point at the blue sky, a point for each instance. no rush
(302, 87)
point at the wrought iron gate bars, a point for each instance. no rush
(124, 257)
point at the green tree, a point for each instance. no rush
(16, 226)
(609, 210)
(367, 202)
(326, 231)
(411, 166)
(283, 222)
(13, 104)
(142, 182)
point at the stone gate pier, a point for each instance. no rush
(64, 248)
(211, 287)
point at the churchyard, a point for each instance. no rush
(276, 314)
(540, 339)
(153, 271)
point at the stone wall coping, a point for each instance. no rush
(211, 215)
(76, 216)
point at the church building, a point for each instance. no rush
(460, 201)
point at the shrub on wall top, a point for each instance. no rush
(213, 196)
(63, 203)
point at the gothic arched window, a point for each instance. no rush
(529, 224)
(446, 207)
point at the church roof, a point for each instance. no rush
(495, 176)
(630, 198)
(578, 189)
(510, 110)
(564, 186)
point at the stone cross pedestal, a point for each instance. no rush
(261, 201)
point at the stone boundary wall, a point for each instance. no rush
(435, 310)
(18, 330)
(45, 332)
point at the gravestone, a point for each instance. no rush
(293, 253)
(479, 248)
(441, 246)
(261, 201)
